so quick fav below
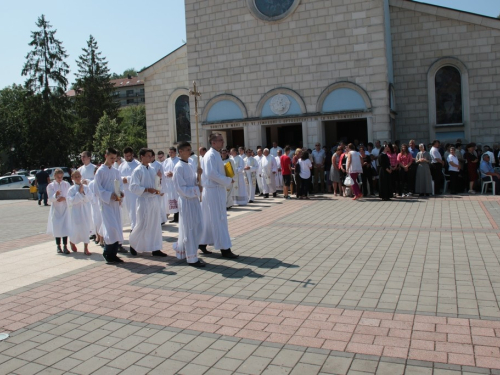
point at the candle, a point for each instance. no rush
(157, 184)
(117, 189)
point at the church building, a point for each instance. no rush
(304, 71)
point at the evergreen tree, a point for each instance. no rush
(94, 93)
(107, 134)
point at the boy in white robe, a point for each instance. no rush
(109, 188)
(278, 176)
(251, 167)
(126, 168)
(96, 215)
(190, 224)
(171, 193)
(79, 197)
(146, 236)
(240, 192)
(215, 182)
(230, 190)
(267, 171)
(58, 224)
(158, 166)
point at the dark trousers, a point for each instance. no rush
(395, 182)
(297, 184)
(304, 186)
(454, 182)
(404, 177)
(437, 177)
(42, 193)
(367, 179)
(64, 241)
(412, 176)
(110, 251)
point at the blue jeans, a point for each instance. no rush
(42, 193)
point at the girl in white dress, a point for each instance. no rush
(59, 222)
(79, 200)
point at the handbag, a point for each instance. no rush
(348, 181)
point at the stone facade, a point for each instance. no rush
(385, 51)
(421, 36)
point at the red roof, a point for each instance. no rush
(127, 82)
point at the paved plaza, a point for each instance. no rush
(325, 286)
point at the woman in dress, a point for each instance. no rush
(393, 158)
(355, 167)
(385, 173)
(472, 165)
(423, 179)
(335, 171)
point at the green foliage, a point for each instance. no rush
(94, 93)
(45, 65)
(128, 72)
(128, 130)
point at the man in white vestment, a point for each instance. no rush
(87, 169)
(145, 183)
(171, 193)
(126, 168)
(267, 171)
(109, 188)
(251, 168)
(259, 181)
(215, 229)
(278, 176)
(158, 166)
(231, 189)
(190, 224)
(240, 192)
(274, 150)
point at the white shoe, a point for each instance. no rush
(472, 192)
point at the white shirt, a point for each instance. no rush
(453, 159)
(87, 172)
(305, 168)
(274, 151)
(435, 155)
(319, 156)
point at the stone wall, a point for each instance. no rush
(423, 34)
(322, 42)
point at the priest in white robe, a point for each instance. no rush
(239, 191)
(267, 172)
(257, 158)
(190, 224)
(79, 201)
(278, 175)
(163, 207)
(171, 193)
(251, 168)
(230, 190)
(109, 188)
(145, 183)
(126, 168)
(215, 182)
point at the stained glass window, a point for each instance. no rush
(273, 8)
(448, 96)
(183, 119)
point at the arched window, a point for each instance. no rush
(448, 86)
(183, 119)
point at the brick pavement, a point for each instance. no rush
(322, 287)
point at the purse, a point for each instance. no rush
(348, 181)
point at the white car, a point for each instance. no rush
(14, 182)
(66, 176)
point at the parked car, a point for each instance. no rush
(67, 173)
(14, 182)
(32, 179)
(33, 172)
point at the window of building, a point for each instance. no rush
(448, 86)
(183, 119)
(130, 92)
(130, 101)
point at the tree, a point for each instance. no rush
(45, 64)
(133, 125)
(107, 134)
(128, 72)
(94, 93)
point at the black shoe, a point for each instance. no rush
(160, 224)
(117, 260)
(66, 251)
(250, 201)
(203, 249)
(39, 202)
(261, 194)
(275, 195)
(59, 250)
(227, 253)
(47, 205)
(198, 264)
(158, 253)
(122, 250)
(106, 258)
(266, 195)
(92, 237)
(132, 251)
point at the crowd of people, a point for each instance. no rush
(144, 192)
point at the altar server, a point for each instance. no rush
(240, 192)
(58, 224)
(96, 214)
(278, 176)
(190, 225)
(171, 193)
(231, 188)
(126, 168)
(215, 182)
(267, 171)
(79, 201)
(251, 167)
(146, 184)
(257, 158)
(158, 166)
(109, 188)
(87, 169)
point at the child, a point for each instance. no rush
(96, 214)
(59, 222)
(190, 224)
(79, 197)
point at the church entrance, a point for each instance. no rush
(235, 138)
(346, 131)
(284, 135)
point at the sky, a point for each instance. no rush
(130, 34)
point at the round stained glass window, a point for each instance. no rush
(272, 10)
